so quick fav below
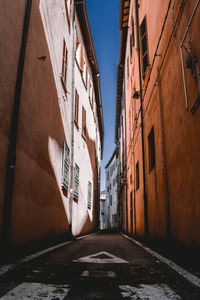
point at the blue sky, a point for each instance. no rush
(104, 23)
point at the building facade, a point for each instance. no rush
(102, 210)
(111, 205)
(51, 121)
(159, 80)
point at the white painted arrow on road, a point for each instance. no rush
(101, 258)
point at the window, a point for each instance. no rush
(131, 45)
(91, 94)
(68, 10)
(131, 179)
(64, 67)
(143, 32)
(133, 33)
(110, 200)
(137, 176)
(89, 202)
(80, 55)
(76, 108)
(85, 74)
(107, 175)
(127, 66)
(84, 127)
(76, 182)
(65, 167)
(151, 146)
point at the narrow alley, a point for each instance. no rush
(99, 266)
(99, 149)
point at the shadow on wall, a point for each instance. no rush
(40, 210)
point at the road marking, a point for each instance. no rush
(5, 268)
(187, 275)
(150, 292)
(101, 258)
(31, 290)
(98, 274)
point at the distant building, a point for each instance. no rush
(102, 210)
(51, 123)
(111, 205)
(157, 120)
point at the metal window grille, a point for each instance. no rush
(76, 182)
(89, 202)
(65, 166)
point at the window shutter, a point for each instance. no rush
(76, 106)
(89, 204)
(81, 58)
(76, 181)
(84, 129)
(133, 32)
(65, 166)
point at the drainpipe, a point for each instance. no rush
(146, 225)
(11, 157)
(72, 123)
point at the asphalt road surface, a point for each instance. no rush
(100, 266)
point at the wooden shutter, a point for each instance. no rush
(143, 31)
(89, 202)
(76, 181)
(76, 106)
(65, 166)
(64, 67)
(81, 58)
(84, 129)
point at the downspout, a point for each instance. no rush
(125, 158)
(146, 225)
(11, 157)
(72, 122)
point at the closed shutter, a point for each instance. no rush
(84, 128)
(76, 181)
(89, 203)
(76, 107)
(65, 166)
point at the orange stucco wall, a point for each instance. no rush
(40, 208)
(11, 15)
(37, 210)
(173, 185)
